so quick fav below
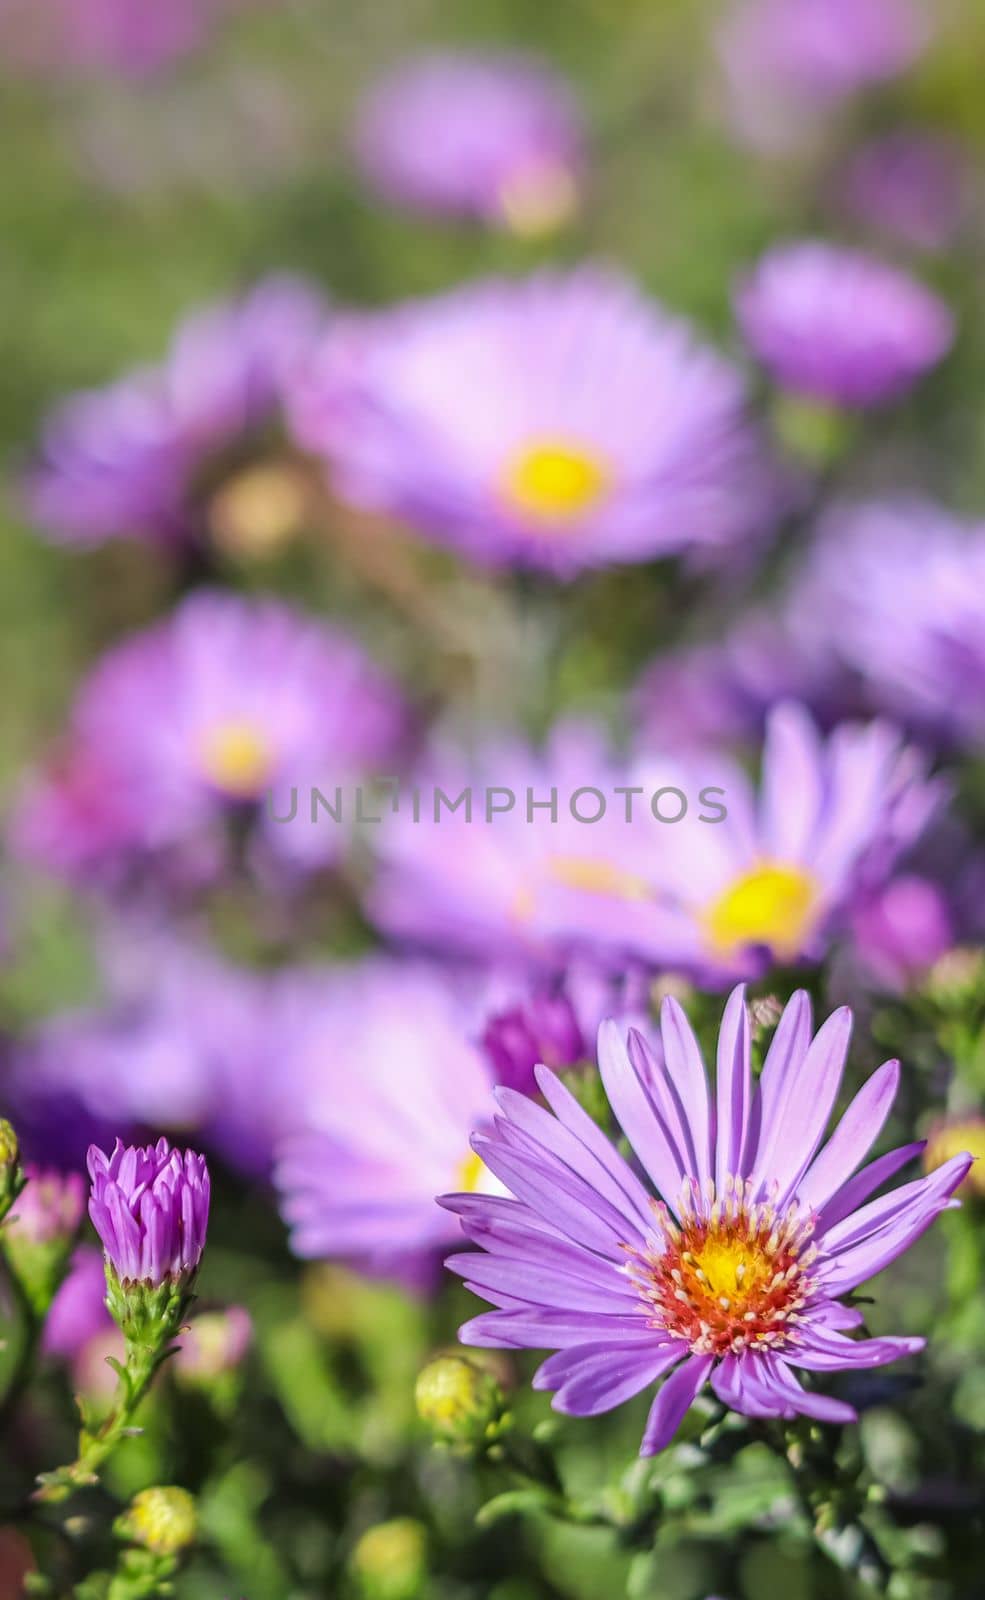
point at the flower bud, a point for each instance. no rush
(460, 1401)
(161, 1520)
(390, 1561)
(957, 978)
(11, 1177)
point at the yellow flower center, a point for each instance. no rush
(537, 199)
(260, 509)
(772, 905)
(554, 482)
(963, 1136)
(729, 1275)
(236, 757)
(473, 1175)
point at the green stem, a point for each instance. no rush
(832, 1505)
(95, 1446)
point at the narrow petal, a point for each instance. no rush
(791, 1138)
(822, 1407)
(852, 1139)
(576, 1119)
(734, 1087)
(530, 1329)
(637, 1117)
(857, 1190)
(606, 1375)
(736, 1383)
(687, 1074)
(778, 1082)
(827, 1351)
(671, 1404)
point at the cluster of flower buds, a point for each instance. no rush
(461, 1402)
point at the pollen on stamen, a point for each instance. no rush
(726, 1277)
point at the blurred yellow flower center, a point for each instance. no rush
(773, 905)
(594, 876)
(260, 509)
(236, 757)
(555, 482)
(963, 1136)
(473, 1175)
(538, 198)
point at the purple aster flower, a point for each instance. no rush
(78, 1312)
(727, 1261)
(496, 137)
(900, 932)
(789, 62)
(82, 37)
(49, 1209)
(150, 1208)
(190, 724)
(839, 326)
(905, 582)
(558, 423)
(909, 185)
(166, 453)
(372, 1148)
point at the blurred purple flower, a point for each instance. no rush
(82, 37)
(49, 1208)
(839, 326)
(909, 185)
(189, 724)
(140, 458)
(215, 1342)
(901, 931)
(555, 423)
(78, 1312)
(899, 587)
(373, 1147)
(497, 137)
(150, 1208)
(788, 62)
(728, 1262)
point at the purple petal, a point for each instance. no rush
(637, 1117)
(529, 1329)
(734, 1087)
(848, 1198)
(852, 1139)
(566, 1108)
(822, 1350)
(686, 1071)
(669, 1408)
(591, 1379)
(790, 1140)
(778, 1082)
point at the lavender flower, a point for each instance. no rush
(78, 1312)
(169, 453)
(189, 724)
(900, 932)
(906, 583)
(83, 37)
(789, 63)
(839, 326)
(150, 1208)
(909, 185)
(48, 1209)
(495, 137)
(727, 1263)
(557, 423)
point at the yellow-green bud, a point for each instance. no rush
(390, 1561)
(162, 1520)
(11, 1176)
(9, 1148)
(957, 976)
(459, 1400)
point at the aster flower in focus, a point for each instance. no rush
(555, 423)
(190, 724)
(150, 1208)
(727, 1261)
(906, 582)
(839, 326)
(909, 185)
(188, 450)
(789, 63)
(495, 137)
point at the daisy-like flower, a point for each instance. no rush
(777, 880)
(726, 1260)
(604, 431)
(788, 63)
(495, 137)
(906, 582)
(189, 724)
(358, 1179)
(186, 450)
(840, 326)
